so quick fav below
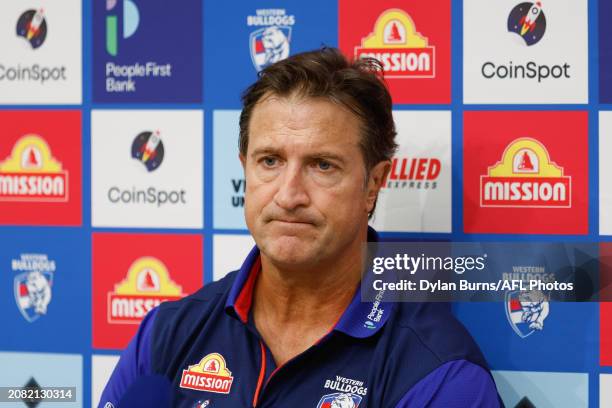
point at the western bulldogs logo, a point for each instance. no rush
(269, 45)
(339, 400)
(33, 293)
(526, 311)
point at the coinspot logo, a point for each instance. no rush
(32, 26)
(148, 148)
(528, 20)
(131, 18)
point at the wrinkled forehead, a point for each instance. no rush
(302, 123)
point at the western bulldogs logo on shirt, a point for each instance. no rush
(339, 400)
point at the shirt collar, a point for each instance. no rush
(360, 319)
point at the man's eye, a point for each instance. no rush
(324, 165)
(269, 161)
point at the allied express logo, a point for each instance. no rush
(31, 173)
(147, 284)
(32, 26)
(525, 177)
(395, 42)
(415, 172)
(210, 374)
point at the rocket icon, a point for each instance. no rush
(34, 25)
(529, 21)
(149, 148)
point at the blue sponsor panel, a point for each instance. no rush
(534, 335)
(605, 52)
(147, 51)
(43, 277)
(252, 36)
(40, 370)
(229, 182)
(543, 390)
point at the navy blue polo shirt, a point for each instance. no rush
(377, 355)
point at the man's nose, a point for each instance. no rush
(292, 192)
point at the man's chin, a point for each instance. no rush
(290, 252)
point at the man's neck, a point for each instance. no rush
(295, 308)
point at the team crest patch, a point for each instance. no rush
(339, 400)
(210, 374)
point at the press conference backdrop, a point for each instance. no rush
(120, 186)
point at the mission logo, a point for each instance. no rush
(40, 167)
(31, 173)
(525, 172)
(396, 43)
(409, 40)
(134, 273)
(147, 284)
(210, 374)
(525, 177)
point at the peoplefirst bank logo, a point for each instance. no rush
(395, 42)
(413, 172)
(31, 173)
(131, 19)
(210, 374)
(525, 177)
(147, 284)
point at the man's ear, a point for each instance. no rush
(376, 179)
(242, 161)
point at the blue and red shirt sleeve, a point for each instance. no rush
(456, 384)
(135, 361)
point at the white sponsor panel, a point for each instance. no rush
(605, 390)
(229, 253)
(41, 55)
(543, 389)
(518, 51)
(147, 168)
(605, 173)
(416, 196)
(101, 369)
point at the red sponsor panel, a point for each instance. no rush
(40, 168)
(605, 315)
(525, 172)
(410, 39)
(133, 273)
(605, 333)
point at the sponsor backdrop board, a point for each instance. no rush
(37, 370)
(519, 52)
(535, 389)
(144, 53)
(133, 273)
(41, 43)
(102, 367)
(120, 185)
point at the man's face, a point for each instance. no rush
(306, 198)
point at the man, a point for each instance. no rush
(288, 328)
